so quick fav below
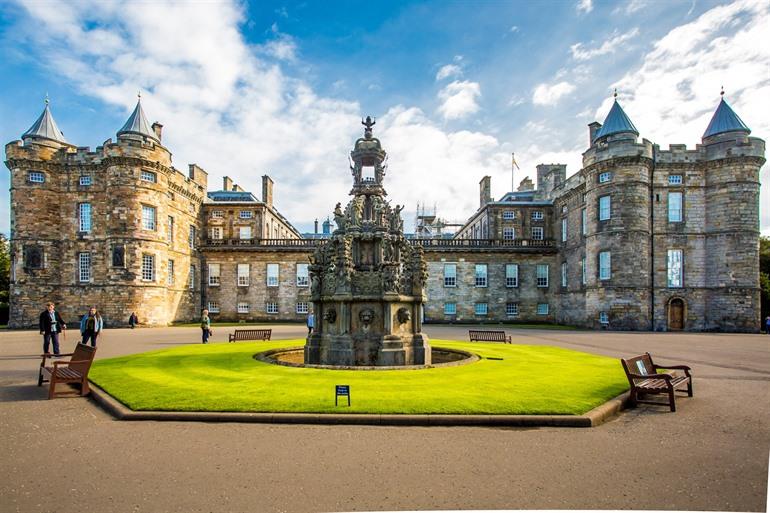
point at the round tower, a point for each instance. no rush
(617, 249)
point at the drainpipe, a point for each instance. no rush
(652, 238)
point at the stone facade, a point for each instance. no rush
(641, 238)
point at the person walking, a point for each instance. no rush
(51, 324)
(767, 325)
(205, 326)
(310, 323)
(133, 320)
(91, 326)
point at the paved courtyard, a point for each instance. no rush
(712, 454)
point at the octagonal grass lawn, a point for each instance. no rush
(527, 380)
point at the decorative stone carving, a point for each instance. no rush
(403, 315)
(331, 316)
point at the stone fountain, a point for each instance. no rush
(367, 281)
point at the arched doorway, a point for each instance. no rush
(676, 312)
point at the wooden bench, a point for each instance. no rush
(74, 370)
(250, 335)
(488, 336)
(644, 379)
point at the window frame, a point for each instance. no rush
(303, 278)
(564, 229)
(564, 274)
(537, 215)
(35, 174)
(605, 265)
(85, 213)
(540, 280)
(241, 279)
(245, 214)
(241, 232)
(272, 281)
(478, 280)
(477, 307)
(604, 177)
(85, 270)
(453, 309)
(84, 180)
(512, 282)
(539, 310)
(608, 210)
(243, 307)
(271, 307)
(148, 176)
(148, 271)
(509, 215)
(538, 233)
(675, 179)
(669, 254)
(453, 283)
(214, 279)
(512, 309)
(670, 210)
(509, 233)
(213, 307)
(146, 221)
(170, 276)
(302, 311)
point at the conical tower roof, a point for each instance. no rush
(725, 120)
(137, 124)
(45, 127)
(617, 122)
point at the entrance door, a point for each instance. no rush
(676, 315)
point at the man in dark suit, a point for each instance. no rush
(51, 324)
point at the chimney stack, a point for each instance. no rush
(227, 183)
(158, 129)
(485, 191)
(267, 191)
(592, 129)
(315, 229)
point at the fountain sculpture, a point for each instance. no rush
(367, 281)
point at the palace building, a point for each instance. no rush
(640, 238)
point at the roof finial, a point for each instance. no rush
(616, 93)
(47, 101)
(139, 95)
(722, 92)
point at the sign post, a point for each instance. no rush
(343, 390)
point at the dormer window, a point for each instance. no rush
(36, 177)
(149, 176)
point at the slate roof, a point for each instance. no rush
(617, 122)
(232, 196)
(725, 120)
(137, 124)
(45, 127)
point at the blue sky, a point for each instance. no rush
(245, 89)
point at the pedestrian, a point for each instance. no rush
(310, 323)
(767, 325)
(133, 320)
(51, 324)
(205, 326)
(91, 326)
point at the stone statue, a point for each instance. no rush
(339, 218)
(396, 223)
(366, 316)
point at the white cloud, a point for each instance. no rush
(459, 99)
(581, 53)
(673, 94)
(550, 94)
(449, 70)
(585, 6)
(514, 28)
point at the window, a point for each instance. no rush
(170, 229)
(302, 276)
(480, 309)
(450, 275)
(605, 177)
(675, 179)
(542, 275)
(302, 307)
(244, 232)
(564, 209)
(605, 265)
(149, 176)
(508, 234)
(245, 214)
(214, 275)
(217, 214)
(564, 229)
(216, 232)
(511, 275)
(583, 270)
(604, 318)
(272, 275)
(450, 308)
(583, 224)
(674, 268)
(148, 217)
(148, 267)
(537, 215)
(271, 308)
(511, 309)
(537, 233)
(191, 238)
(36, 177)
(213, 307)
(508, 214)
(243, 275)
(674, 207)
(33, 257)
(481, 275)
(243, 308)
(564, 274)
(170, 277)
(84, 180)
(191, 208)
(118, 255)
(605, 207)
(542, 309)
(84, 217)
(191, 281)
(84, 267)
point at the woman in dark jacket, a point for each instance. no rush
(51, 324)
(91, 326)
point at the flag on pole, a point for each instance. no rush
(513, 162)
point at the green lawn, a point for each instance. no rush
(225, 377)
